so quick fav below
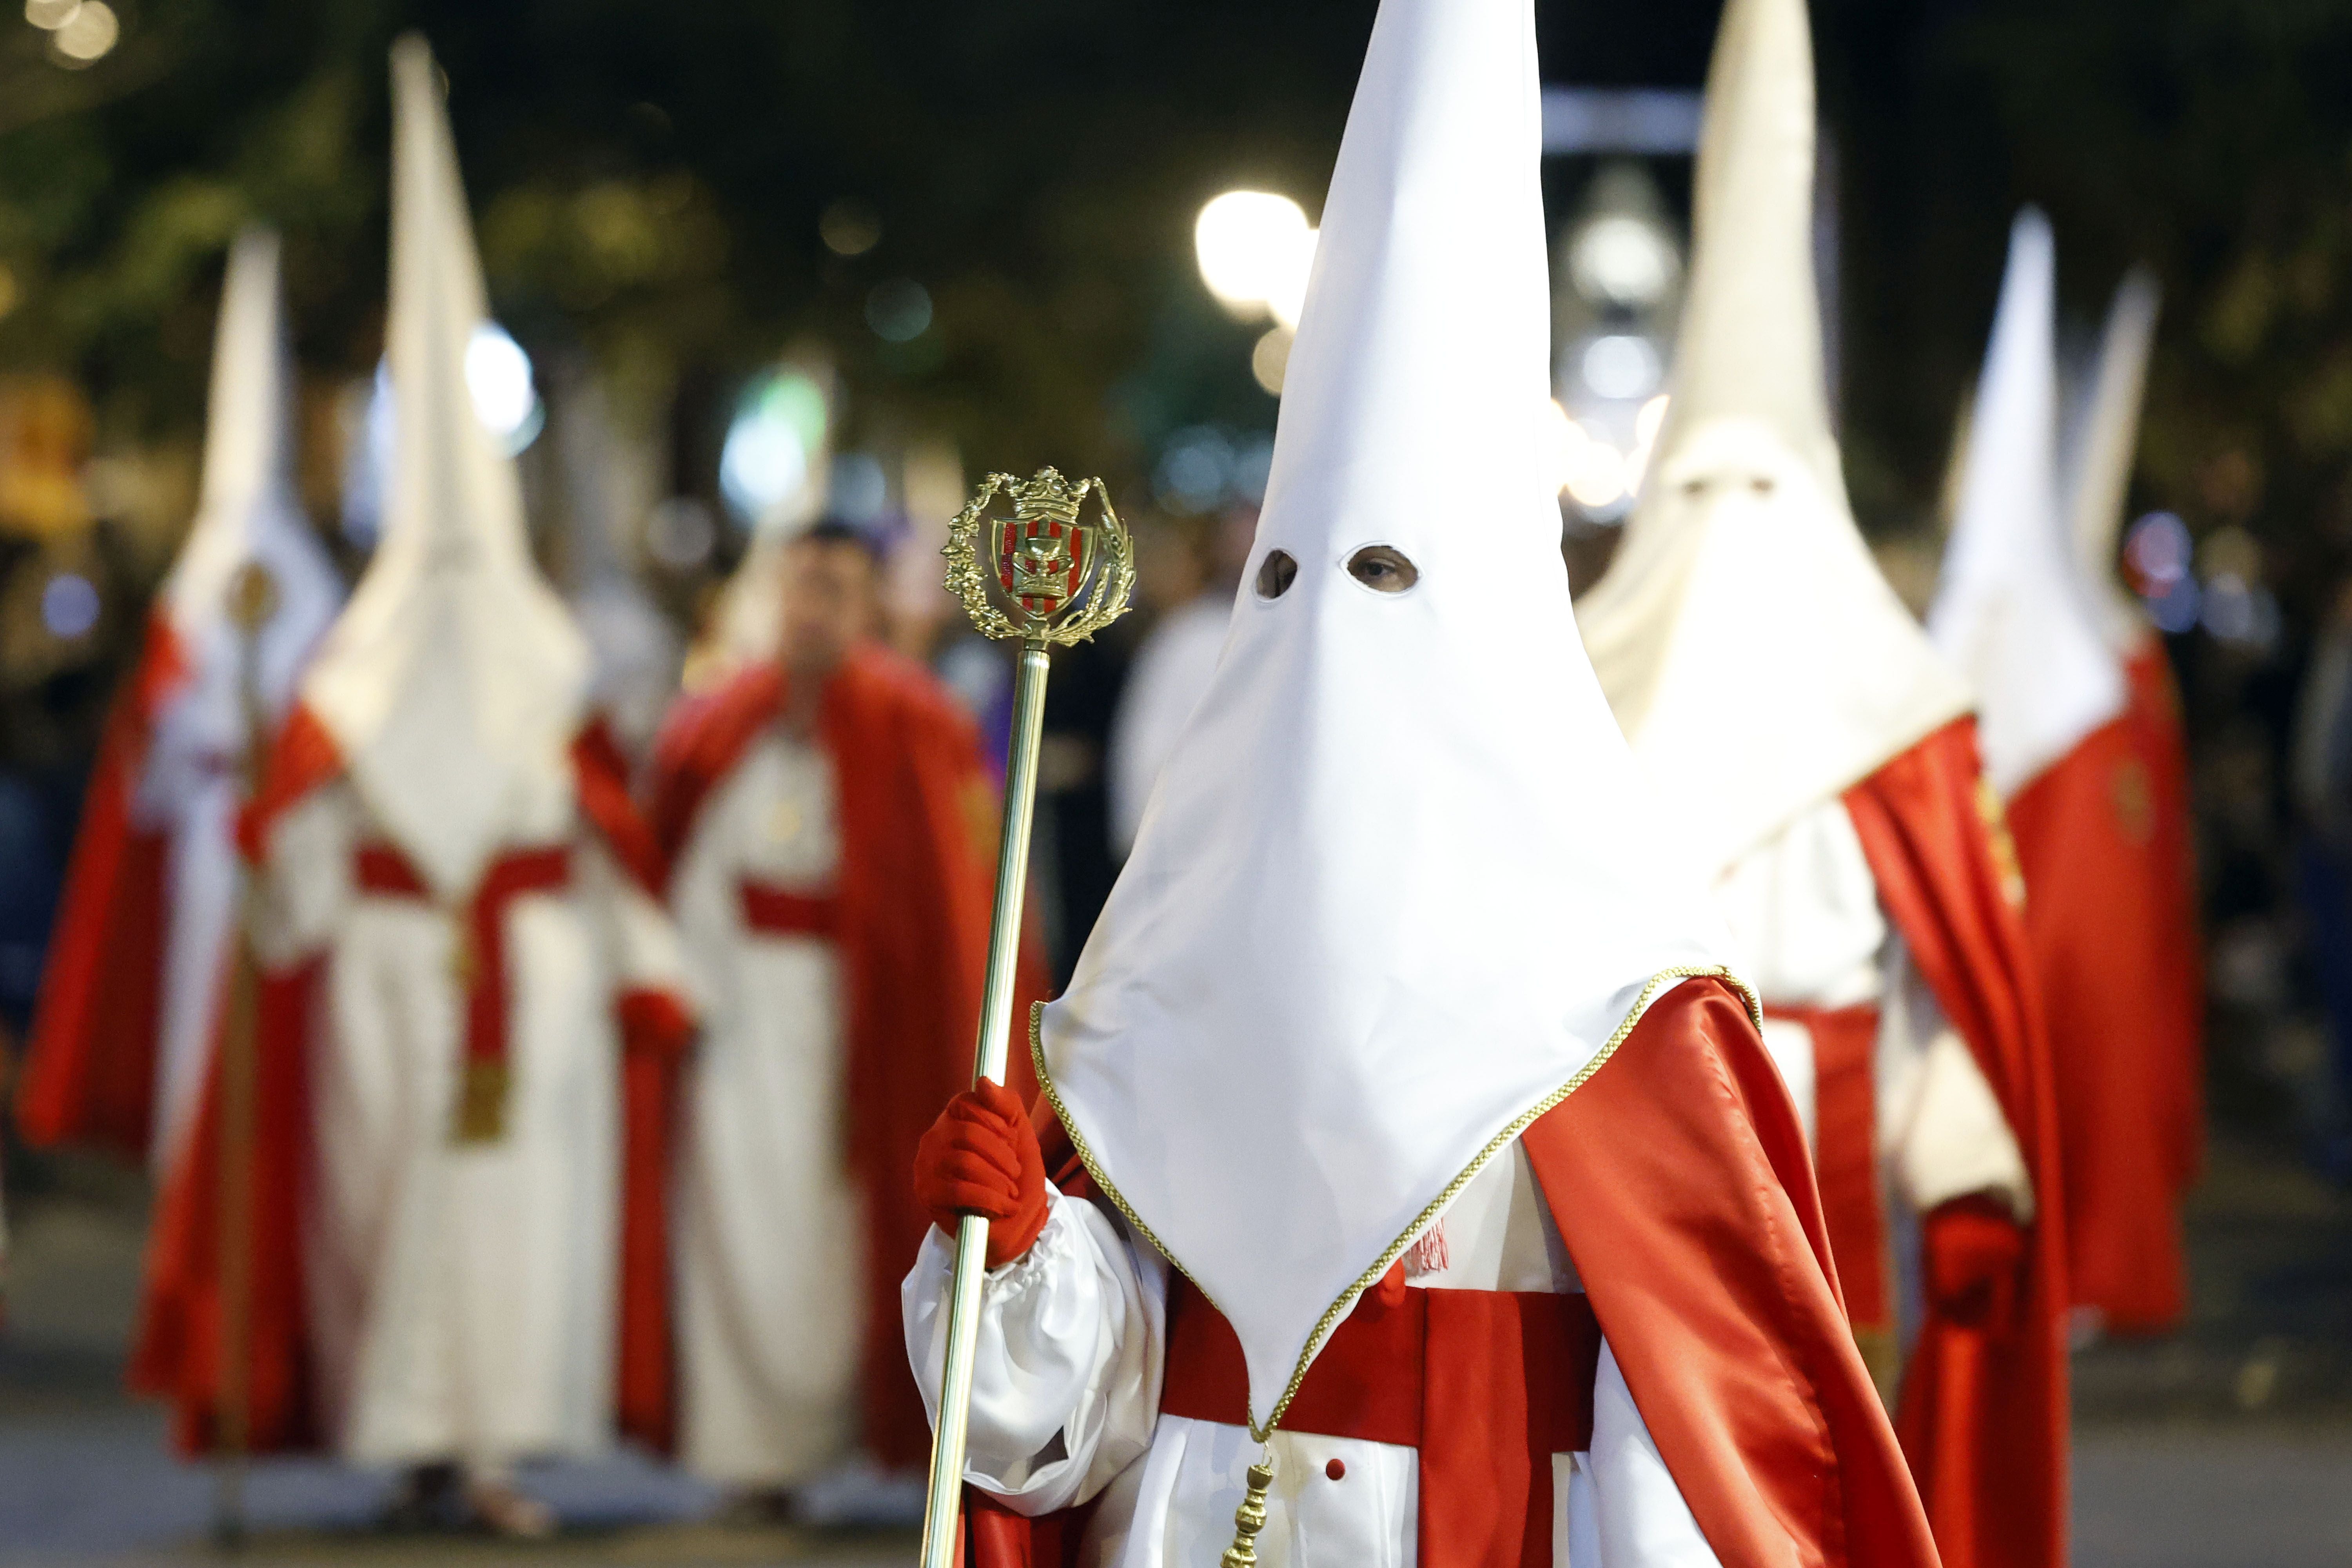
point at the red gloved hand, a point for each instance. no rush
(1971, 1251)
(981, 1157)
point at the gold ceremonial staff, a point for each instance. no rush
(1048, 578)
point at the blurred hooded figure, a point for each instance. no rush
(2105, 441)
(456, 934)
(829, 823)
(2014, 612)
(131, 994)
(1821, 758)
(1406, 1138)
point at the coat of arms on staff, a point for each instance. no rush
(1053, 573)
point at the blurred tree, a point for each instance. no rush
(657, 181)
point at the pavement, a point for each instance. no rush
(2228, 1445)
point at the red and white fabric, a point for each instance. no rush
(2061, 747)
(1772, 685)
(464, 962)
(833, 889)
(1401, 910)
(131, 993)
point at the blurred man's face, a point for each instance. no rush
(828, 603)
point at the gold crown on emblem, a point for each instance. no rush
(1047, 497)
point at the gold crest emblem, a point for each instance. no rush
(1050, 572)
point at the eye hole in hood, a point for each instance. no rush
(1277, 573)
(1383, 569)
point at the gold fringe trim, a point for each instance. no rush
(1658, 985)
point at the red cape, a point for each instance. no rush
(1983, 1412)
(2097, 893)
(915, 888)
(177, 1355)
(2162, 746)
(1680, 1168)
(89, 1075)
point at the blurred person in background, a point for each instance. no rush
(1192, 603)
(131, 994)
(2321, 775)
(2151, 781)
(830, 826)
(2014, 613)
(1870, 898)
(455, 938)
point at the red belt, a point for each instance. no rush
(1405, 1365)
(1845, 1155)
(478, 963)
(779, 911)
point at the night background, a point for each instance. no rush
(980, 217)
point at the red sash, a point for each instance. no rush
(1488, 1384)
(773, 910)
(1845, 1163)
(479, 962)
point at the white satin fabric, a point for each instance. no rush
(202, 733)
(1400, 879)
(461, 1296)
(1066, 1401)
(770, 1241)
(455, 680)
(2012, 610)
(2105, 438)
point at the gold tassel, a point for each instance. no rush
(481, 1102)
(1250, 1518)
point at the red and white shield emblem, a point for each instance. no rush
(1040, 562)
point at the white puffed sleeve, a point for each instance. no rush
(640, 940)
(305, 884)
(1638, 1513)
(1941, 1126)
(1065, 1386)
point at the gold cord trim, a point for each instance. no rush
(1658, 985)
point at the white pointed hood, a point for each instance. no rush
(455, 682)
(1743, 617)
(1398, 887)
(247, 512)
(2104, 445)
(2009, 608)
(202, 726)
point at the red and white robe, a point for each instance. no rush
(1621, 1347)
(833, 889)
(1880, 932)
(2104, 840)
(440, 1240)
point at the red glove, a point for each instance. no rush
(981, 1157)
(1972, 1250)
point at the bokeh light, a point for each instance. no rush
(70, 605)
(779, 427)
(498, 376)
(1622, 260)
(900, 311)
(1270, 360)
(1256, 252)
(849, 228)
(1620, 366)
(87, 34)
